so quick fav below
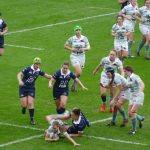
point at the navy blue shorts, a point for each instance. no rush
(72, 130)
(57, 94)
(23, 92)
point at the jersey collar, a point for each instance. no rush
(78, 121)
(65, 74)
(34, 69)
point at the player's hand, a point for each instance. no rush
(73, 49)
(50, 85)
(84, 88)
(112, 102)
(82, 49)
(21, 83)
(1, 33)
(76, 144)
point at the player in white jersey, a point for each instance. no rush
(120, 32)
(136, 86)
(129, 13)
(122, 95)
(144, 25)
(56, 130)
(77, 45)
(110, 61)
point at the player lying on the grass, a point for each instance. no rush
(56, 130)
(122, 95)
(79, 122)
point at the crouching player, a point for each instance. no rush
(136, 86)
(56, 130)
(122, 95)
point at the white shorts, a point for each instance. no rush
(104, 80)
(137, 99)
(125, 94)
(122, 45)
(144, 29)
(130, 25)
(77, 59)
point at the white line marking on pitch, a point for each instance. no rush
(21, 140)
(103, 120)
(101, 8)
(60, 23)
(88, 136)
(114, 140)
(20, 126)
(26, 47)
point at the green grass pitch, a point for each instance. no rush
(48, 24)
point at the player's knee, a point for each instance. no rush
(31, 105)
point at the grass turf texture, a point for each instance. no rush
(30, 14)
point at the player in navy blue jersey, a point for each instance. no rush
(26, 79)
(3, 30)
(79, 122)
(60, 88)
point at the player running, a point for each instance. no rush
(60, 88)
(144, 25)
(136, 86)
(129, 13)
(26, 79)
(110, 61)
(77, 45)
(3, 30)
(120, 33)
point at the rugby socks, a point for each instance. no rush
(23, 110)
(103, 97)
(129, 47)
(138, 117)
(61, 110)
(122, 112)
(31, 112)
(114, 116)
(134, 124)
(140, 46)
(147, 50)
(110, 98)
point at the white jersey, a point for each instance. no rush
(119, 80)
(145, 15)
(117, 64)
(130, 11)
(120, 30)
(78, 43)
(134, 83)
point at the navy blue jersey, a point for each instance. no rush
(78, 125)
(30, 75)
(62, 80)
(2, 26)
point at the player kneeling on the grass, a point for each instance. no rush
(136, 86)
(122, 95)
(61, 86)
(56, 130)
(26, 79)
(79, 122)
